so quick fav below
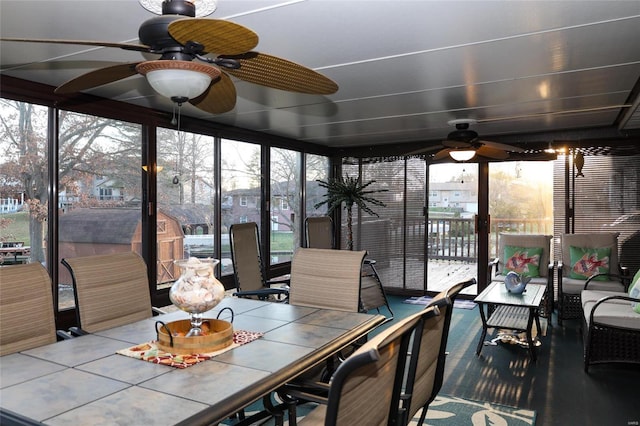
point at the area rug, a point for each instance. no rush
(452, 411)
(425, 300)
(447, 411)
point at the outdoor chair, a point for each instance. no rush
(322, 278)
(427, 358)
(110, 290)
(584, 255)
(319, 232)
(529, 255)
(26, 308)
(248, 266)
(366, 387)
(611, 324)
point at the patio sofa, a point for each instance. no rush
(611, 325)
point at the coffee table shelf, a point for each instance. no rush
(501, 309)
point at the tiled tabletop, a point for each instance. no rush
(83, 380)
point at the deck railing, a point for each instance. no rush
(455, 239)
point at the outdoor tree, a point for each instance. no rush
(89, 148)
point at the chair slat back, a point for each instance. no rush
(319, 232)
(248, 269)
(110, 290)
(365, 388)
(526, 240)
(326, 278)
(25, 295)
(428, 353)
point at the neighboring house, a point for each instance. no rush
(456, 195)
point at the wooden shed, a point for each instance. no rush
(89, 231)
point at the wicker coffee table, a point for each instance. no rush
(505, 310)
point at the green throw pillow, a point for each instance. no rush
(586, 262)
(634, 291)
(523, 260)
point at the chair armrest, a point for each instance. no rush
(604, 274)
(306, 390)
(622, 296)
(64, 335)
(492, 268)
(286, 281)
(158, 311)
(77, 331)
(263, 293)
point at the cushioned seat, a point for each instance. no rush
(529, 255)
(611, 325)
(584, 255)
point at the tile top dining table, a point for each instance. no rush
(83, 380)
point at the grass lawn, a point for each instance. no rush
(17, 229)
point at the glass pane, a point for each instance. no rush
(285, 204)
(241, 196)
(186, 188)
(451, 239)
(99, 188)
(520, 199)
(24, 183)
(317, 168)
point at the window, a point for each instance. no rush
(105, 186)
(285, 206)
(240, 179)
(106, 194)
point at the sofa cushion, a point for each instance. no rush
(586, 262)
(525, 240)
(593, 240)
(523, 260)
(634, 291)
(573, 286)
(612, 312)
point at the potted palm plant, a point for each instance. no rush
(349, 191)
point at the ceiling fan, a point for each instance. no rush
(223, 48)
(463, 144)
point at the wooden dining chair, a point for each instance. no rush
(110, 290)
(365, 389)
(26, 308)
(248, 266)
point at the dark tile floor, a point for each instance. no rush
(555, 386)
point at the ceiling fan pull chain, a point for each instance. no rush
(173, 117)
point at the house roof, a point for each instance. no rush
(99, 225)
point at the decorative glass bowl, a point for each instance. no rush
(196, 290)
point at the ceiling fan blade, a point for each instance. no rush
(125, 46)
(443, 153)
(219, 98)
(216, 35)
(502, 146)
(98, 78)
(278, 73)
(452, 143)
(490, 152)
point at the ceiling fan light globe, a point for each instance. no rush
(178, 79)
(462, 154)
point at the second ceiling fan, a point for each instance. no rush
(463, 144)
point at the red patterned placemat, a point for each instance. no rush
(150, 352)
